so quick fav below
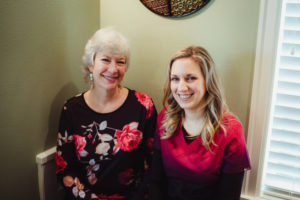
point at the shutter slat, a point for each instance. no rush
(291, 42)
(286, 136)
(288, 100)
(291, 93)
(293, 1)
(296, 68)
(288, 88)
(283, 159)
(282, 182)
(286, 141)
(288, 28)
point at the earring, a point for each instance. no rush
(91, 76)
(91, 80)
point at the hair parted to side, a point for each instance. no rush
(214, 98)
(105, 40)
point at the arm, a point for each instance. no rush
(149, 129)
(67, 168)
(235, 161)
(158, 181)
(229, 186)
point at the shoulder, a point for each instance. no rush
(159, 122)
(233, 126)
(161, 115)
(141, 97)
(145, 100)
(74, 101)
(231, 121)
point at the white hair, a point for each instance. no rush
(105, 40)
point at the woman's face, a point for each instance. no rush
(108, 70)
(187, 84)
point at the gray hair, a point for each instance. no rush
(105, 40)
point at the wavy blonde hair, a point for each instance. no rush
(214, 98)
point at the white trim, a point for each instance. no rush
(245, 197)
(41, 160)
(46, 156)
(262, 93)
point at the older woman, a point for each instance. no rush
(200, 143)
(105, 134)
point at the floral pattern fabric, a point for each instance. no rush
(105, 156)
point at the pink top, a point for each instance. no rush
(194, 163)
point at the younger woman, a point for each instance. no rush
(200, 145)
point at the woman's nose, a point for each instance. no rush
(182, 86)
(113, 67)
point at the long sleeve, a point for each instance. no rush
(229, 186)
(67, 168)
(105, 155)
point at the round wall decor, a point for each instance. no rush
(174, 8)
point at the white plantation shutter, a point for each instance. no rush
(282, 164)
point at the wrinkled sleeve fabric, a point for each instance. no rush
(67, 169)
(236, 158)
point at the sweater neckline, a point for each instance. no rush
(193, 144)
(108, 113)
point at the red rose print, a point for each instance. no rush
(80, 144)
(145, 100)
(126, 177)
(129, 137)
(60, 163)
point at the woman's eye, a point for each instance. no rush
(174, 79)
(121, 62)
(191, 78)
(104, 59)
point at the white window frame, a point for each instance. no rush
(264, 71)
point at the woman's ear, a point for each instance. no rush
(91, 68)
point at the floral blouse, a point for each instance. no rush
(105, 156)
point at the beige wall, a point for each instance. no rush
(41, 43)
(226, 28)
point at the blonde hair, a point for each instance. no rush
(214, 99)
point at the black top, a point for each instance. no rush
(104, 155)
(187, 139)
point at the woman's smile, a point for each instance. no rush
(187, 84)
(108, 70)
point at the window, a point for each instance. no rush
(274, 126)
(282, 161)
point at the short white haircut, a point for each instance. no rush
(105, 40)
